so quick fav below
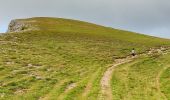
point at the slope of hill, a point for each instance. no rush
(55, 58)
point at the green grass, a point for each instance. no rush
(165, 80)
(138, 80)
(41, 63)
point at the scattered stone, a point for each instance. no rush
(20, 91)
(2, 95)
(32, 75)
(29, 65)
(159, 51)
(38, 78)
(9, 63)
(49, 69)
(70, 86)
(20, 26)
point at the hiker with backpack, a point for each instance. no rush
(133, 52)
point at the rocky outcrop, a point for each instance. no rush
(20, 26)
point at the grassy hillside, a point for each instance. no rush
(63, 58)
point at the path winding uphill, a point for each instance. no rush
(106, 89)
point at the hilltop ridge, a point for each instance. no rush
(79, 28)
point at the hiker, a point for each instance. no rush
(133, 52)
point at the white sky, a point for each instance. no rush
(144, 16)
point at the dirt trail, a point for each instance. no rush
(106, 90)
(70, 86)
(158, 83)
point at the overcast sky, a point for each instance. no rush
(144, 16)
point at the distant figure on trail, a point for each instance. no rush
(133, 52)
